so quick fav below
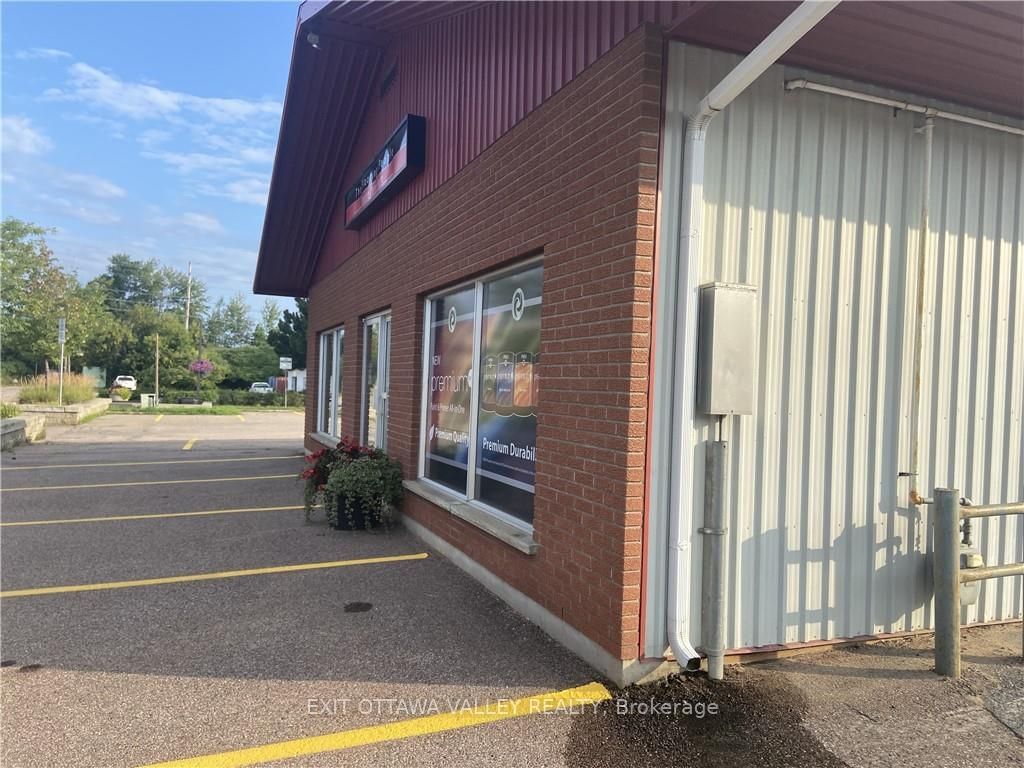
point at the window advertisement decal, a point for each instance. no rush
(507, 420)
(450, 389)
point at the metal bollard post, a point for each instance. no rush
(946, 574)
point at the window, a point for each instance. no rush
(376, 379)
(332, 352)
(481, 348)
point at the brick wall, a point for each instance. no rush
(576, 179)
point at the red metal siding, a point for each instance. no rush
(474, 76)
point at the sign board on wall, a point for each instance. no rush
(396, 164)
(507, 421)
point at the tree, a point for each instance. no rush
(176, 293)
(253, 362)
(289, 338)
(177, 349)
(228, 324)
(269, 314)
(36, 293)
(131, 282)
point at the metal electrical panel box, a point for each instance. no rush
(727, 349)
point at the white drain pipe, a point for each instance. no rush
(781, 39)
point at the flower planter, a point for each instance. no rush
(358, 521)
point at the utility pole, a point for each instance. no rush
(157, 370)
(188, 296)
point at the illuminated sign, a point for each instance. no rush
(397, 163)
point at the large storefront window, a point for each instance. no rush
(480, 406)
(332, 352)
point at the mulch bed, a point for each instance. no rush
(750, 719)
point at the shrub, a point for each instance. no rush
(8, 410)
(77, 389)
(356, 484)
(123, 392)
(363, 492)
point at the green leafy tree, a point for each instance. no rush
(37, 291)
(270, 312)
(289, 338)
(253, 362)
(132, 282)
(177, 349)
(228, 324)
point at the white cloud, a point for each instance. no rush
(89, 214)
(251, 191)
(202, 222)
(20, 136)
(153, 137)
(115, 128)
(51, 54)
(87, 184)
(192, 162)
(141, 101)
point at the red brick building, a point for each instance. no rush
(478, 199)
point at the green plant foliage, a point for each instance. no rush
(289, 338)
(40, 389)
(8, 410)
(249, 363)
(371, 484)
(352, 479)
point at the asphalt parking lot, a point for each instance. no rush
(138, 632)
(164, 603)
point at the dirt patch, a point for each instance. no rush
(750, 719)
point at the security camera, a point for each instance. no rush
(313, 39)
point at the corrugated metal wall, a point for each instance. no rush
(816, 200)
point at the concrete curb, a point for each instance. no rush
(17, 431)
(67, 414)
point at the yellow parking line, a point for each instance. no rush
(188, 446)
(145, 482)
(153, 516)
(571, 699)
(143, 463)
(158, 417)
(240, 417)
(207, 576)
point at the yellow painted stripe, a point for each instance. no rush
(145, 482)
(153, 516)
(188, 446)
(240, 417)
(158, 417)
(207, 576)
(144, 463)
(584, 695)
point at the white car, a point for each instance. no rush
(128, 382)
(262, 388)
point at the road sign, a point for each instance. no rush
(61, 331)
(285, 364)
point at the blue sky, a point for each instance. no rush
(145, 128)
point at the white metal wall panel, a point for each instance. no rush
(815, 199)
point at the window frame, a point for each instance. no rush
(469, 495)
(336, 335)
(383, 318)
